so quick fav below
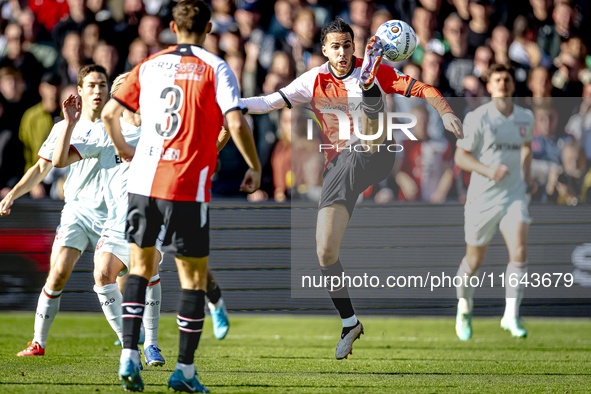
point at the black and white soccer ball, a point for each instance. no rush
(398, 39)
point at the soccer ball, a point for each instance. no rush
(398, 39)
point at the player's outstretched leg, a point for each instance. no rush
(373, 57)
(217, 308)
(63, 260)
(352, 328)
(465, 294)
(330, 227)
(514, 295)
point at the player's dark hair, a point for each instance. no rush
(91, 68)
(499, 68)
(191, 16)
(338, 25)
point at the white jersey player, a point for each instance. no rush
(83, 213)
(111, 257)
(497, 149)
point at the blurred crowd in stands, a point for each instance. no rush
(268, 43)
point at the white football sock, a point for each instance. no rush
(133, 354)
(151, 318)
(47, 308)
(465, 292)
(110, 299)
(514, 295)
(187, 369)
(350, 321)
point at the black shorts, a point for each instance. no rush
(351, 172)
(186, 222)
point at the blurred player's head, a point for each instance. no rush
(501, 81)
(49, 90)
(107, 56)
(540, 82)
(12, 84)
(14, 40)
(191, 21)
(92, 87)
(413, 70)
(379, 17)
(573, 159)
(305, 25)
(483, 58)
(338, 45)
(546, 121)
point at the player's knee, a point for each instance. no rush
(327, 255)
(475, 262)
(103, 276)
(57, 278)
(519, 254)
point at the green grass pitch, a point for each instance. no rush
(295, 354)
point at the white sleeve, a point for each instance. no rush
(296, 93)
(46, 150)
(472, 133)
(227, 92)
(264, 104)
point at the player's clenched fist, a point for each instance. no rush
(6, 204)
(127, 152)
(497, 173)
(251, 182)
(453, 124)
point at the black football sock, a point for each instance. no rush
(340, 295)
(214, 293)
(373, 102)
(190, 321)
(134, 299)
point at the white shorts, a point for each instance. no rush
(75, 235)
(117, 245)
(480, 226)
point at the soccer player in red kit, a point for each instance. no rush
(348, 172)
(184, 93)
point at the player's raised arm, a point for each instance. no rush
(32, 178)
(110, 116)
(296, 93)
(395, 82)
(63, 154)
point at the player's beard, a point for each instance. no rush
(342, 69)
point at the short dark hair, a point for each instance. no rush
(91, 68)
(338, 25)
(499, 68)
(191, 16)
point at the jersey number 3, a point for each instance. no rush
(173, 96)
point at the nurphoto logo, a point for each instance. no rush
(349, 118)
